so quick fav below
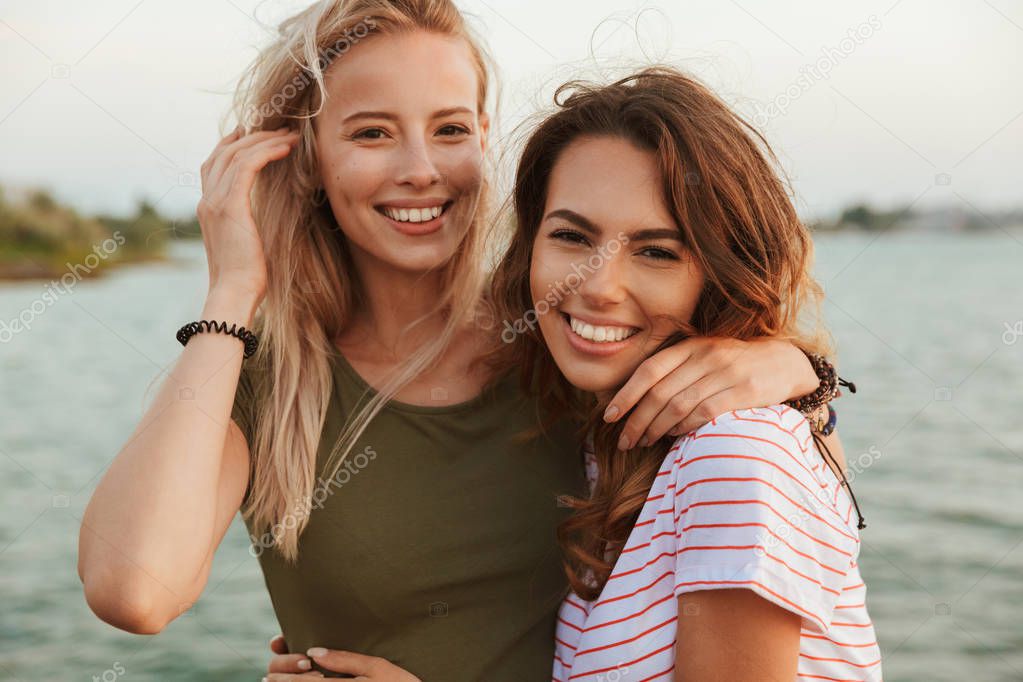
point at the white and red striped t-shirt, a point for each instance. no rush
(747, 502)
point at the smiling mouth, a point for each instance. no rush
(423, 214)
(599, 333)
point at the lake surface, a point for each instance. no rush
(926, 326)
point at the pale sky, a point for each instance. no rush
(108, 101)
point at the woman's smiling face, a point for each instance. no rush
(400, 146)
(609, 258)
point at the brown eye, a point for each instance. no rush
(658, 253)
(453, 130)
(569, 236)
(369, 134)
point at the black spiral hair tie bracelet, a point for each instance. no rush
(192, 328)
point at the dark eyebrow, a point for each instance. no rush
(652, 234)
(587, 225)
(574, 218)
(391, 117)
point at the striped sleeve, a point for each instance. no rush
(754, 509)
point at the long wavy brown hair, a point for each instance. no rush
(735, 215)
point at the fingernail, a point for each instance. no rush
(305, 664)
(611, 412)
(316, 651)
(643, 442)
(623, 442)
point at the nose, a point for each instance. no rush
(604, 279)
(415, 167)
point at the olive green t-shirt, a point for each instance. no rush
(434, 546)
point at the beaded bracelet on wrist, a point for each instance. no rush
(828, 389)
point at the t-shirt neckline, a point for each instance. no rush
(341, 362)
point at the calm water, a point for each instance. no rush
(921, 324)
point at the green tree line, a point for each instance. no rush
(39, 235)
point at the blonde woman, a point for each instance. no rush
(349, 214)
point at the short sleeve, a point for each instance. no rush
(243, 408)
(755, 508)
(243, 412)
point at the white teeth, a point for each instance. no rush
(600, 334)
(413, 215)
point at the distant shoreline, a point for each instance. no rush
(43, 239)
(34, 271)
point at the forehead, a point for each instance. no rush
(609, 180)
(390, 70)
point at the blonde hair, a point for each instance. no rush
(311, 294)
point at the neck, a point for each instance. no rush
(393, 299)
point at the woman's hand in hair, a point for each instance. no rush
(681, 388)
(287, 666)
(234, 250)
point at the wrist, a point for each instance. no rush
(806, 379)
(234, 305)
(827, 389)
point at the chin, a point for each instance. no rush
(423, 258)
(416, 254)
(594, 376)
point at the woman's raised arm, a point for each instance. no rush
(154, 521)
